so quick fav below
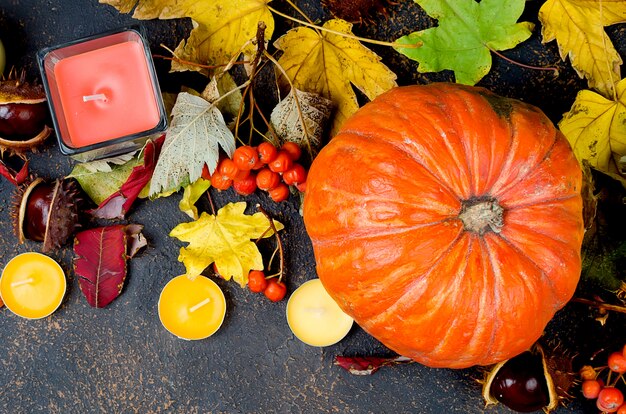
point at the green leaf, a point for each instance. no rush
(99, 183)
(466, 34)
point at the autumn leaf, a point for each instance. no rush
(98, 182)
(467, 33)
(596, 129)
(100, 265)
(578, 27)
(226, 240)
(119, 203)
(221, 29)
(191, 195)
(217, 90)
(301, 117)
(329, 64)
(193, 139)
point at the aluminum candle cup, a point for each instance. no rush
(103, 94)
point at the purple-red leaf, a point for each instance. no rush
(100, 264)
(368, 365)
(118, 203)
(14, 176)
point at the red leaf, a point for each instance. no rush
(118, 203)
(15, 177)
(101, 261)
(368, 365)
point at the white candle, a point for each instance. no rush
(314, 317)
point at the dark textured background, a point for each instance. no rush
(121, 360)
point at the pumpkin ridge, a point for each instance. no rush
(544, 275)
(506, 173)
(422, 278)
(366, 233)
(436, 177)
(546, 201)
(487, 258)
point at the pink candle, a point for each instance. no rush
(106, 93)
(102, 92)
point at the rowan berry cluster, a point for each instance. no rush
(264, 167)
(609, 397)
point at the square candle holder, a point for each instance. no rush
(103, 94)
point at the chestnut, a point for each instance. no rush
(47, 212)
(23, 115)
(530, 381)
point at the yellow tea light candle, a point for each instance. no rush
(192, 309)
(32, 285)
(314, 317)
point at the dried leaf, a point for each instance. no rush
(301, 117)
(578, 27)
(100, 264)
(191, 195)
(368, 365)
(195, 135)
(105, 164)
(15, 177)
(226, 240)
(118, 204)
(466, 34)
(100, 185)
(596, 129)
(590, 199)
(221, 29)
(328, 65)
(219, 86)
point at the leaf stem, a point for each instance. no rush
(279, 243)
(600, 305)
(514, 62)
(347, 35)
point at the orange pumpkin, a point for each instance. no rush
(447, 221)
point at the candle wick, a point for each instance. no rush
(22, 282)
(96, 97)
(318, 311)
(199, 305)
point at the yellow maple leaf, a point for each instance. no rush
(328, 64)
(221, 27)
(226, 240)
(596, 130)
(578, 27)
(191, 195)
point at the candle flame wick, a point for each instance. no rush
(22, 282)
(96, 97)
(199, 305)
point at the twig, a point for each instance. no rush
(347, 35)
(514, 62)
(279, 243)
(208, 195)
(600, 305)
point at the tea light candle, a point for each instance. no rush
(102, 90)
(314, 317)
(192, 309)
(32, 285)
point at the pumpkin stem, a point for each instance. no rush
(482, 215)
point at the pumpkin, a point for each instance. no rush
(447, 221)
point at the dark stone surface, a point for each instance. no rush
(121, 360)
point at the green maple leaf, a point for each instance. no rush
(466, 35)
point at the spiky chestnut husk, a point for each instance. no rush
(533, 380)
(47, 212)
(23, 115)
(356, 11)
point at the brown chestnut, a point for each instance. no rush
(23, 115)
(530, 381)
(47, 212)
